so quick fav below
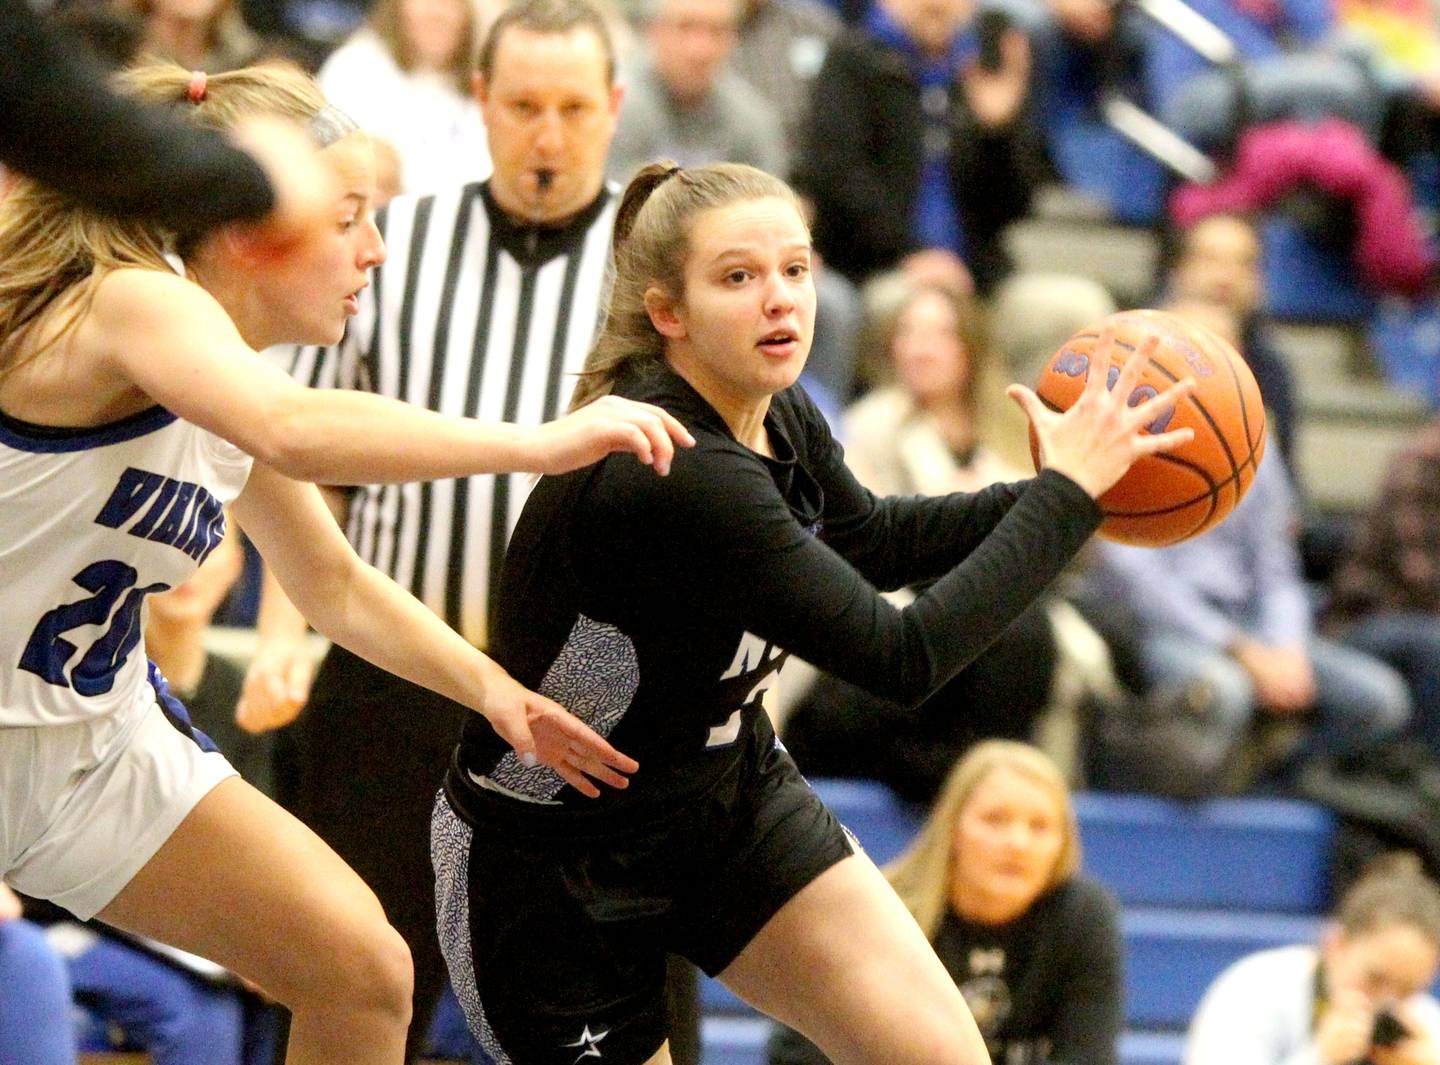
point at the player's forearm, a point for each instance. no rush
(341, 437)
(373, 617)
(277, 620)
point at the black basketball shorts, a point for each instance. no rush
(556, 934)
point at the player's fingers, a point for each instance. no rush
(630, 437)
(298, 682)
(1151, 445)
(515, 730)
(593, 767)
(577, 780)
(673, 426)
(662, 448)
(1135, 364)
(1156, 405)
(1098, 377)
(1030, 403)
(586, 741)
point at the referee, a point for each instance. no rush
(489, 301)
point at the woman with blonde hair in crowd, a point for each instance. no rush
(937, 421)
(405, 76)
(993, 879)
(132, 400)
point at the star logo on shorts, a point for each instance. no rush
(588, 1041)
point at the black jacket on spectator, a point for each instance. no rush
(862, 164)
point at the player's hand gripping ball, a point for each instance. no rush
(1169, 497)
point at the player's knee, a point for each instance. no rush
(381, 975)
(364, 968)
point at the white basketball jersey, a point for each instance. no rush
(91, 522)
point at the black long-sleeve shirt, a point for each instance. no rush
(61, 125)
(659, 609)
(1045, 989)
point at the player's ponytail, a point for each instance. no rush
(651, 242)
(646, 180)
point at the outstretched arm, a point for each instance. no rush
(359, 608)
(743, 555)
(173, 341)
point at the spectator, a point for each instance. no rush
(35, 1022)
(917, 155)
(683, 103)
(1229, 608)
(1386, 592)
(207, 35)
(1218, 262)
(178, 1009)
(993, 880)
(779, 50)
(1089, 52)
(1359, 997)
(939, 424)
(405, 78)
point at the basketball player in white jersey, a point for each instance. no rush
(131, 404)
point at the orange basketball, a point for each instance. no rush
(1166, 498)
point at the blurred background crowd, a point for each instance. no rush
(984, 178)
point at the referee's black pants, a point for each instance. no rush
(361, 766)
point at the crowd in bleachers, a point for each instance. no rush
(1284, 157)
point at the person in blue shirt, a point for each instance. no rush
(920, 151)
(1229, 608)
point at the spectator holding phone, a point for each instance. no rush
(1360, 998)
(920, 147)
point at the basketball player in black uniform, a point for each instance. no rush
(661, 610)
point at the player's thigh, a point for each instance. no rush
(245, 884)
(844, 963)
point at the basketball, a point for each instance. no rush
(1170, 497)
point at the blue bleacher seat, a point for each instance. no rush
(1151, 1048)
(882, 823)
(1172, 956)
(734, 1040)
(1202, 885)
(1246, 854)
(717, 999)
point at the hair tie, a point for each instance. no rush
(195, 91)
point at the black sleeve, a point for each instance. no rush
(61, 125)
(1087, 1026)
(994, 174)
(859, 207)
(895, 541)
(715, 536)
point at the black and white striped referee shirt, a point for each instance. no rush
(473, 315)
